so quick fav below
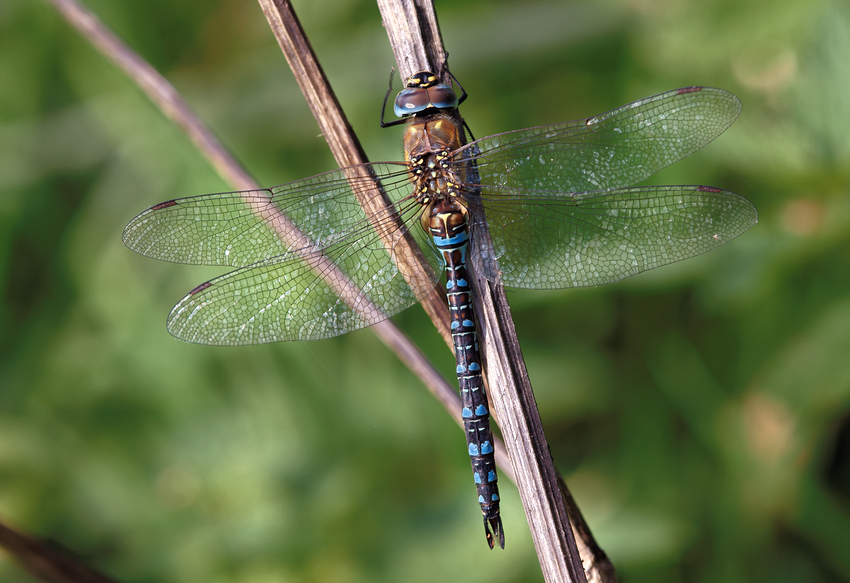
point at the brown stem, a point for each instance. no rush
(415, 37)
(45, 561)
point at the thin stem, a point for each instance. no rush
(45, 561)
(160, 91)
(417, 43)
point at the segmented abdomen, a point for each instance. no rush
(449, 229)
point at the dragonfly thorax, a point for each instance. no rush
(435, 183)
(433, 175)
(428, 146)
(430, 135)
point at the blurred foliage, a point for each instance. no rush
(700, 412)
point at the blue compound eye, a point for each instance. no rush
(442, 96)
(410, 101)
(414, 100)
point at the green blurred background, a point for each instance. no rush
(699, 412)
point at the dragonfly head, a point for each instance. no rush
(423, 94)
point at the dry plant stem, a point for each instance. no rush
(46, 562)
(414, 34)
(597, 566)
(160, 91)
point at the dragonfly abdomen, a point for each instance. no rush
(449, 228)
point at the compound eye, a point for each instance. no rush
(442, 96)
(414, 100)
(410, 101)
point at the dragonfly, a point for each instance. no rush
(547, 207)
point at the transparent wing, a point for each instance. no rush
(612, 150)
(320, 270)
(240, 228)
(592, 238)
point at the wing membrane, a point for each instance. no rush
(236, 229)
(613, 150)
(302, 295)
(594, 238)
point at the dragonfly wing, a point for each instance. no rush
(312, 263)
(306, 294)
(612, 150)
(236, 229)
(594, 238)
